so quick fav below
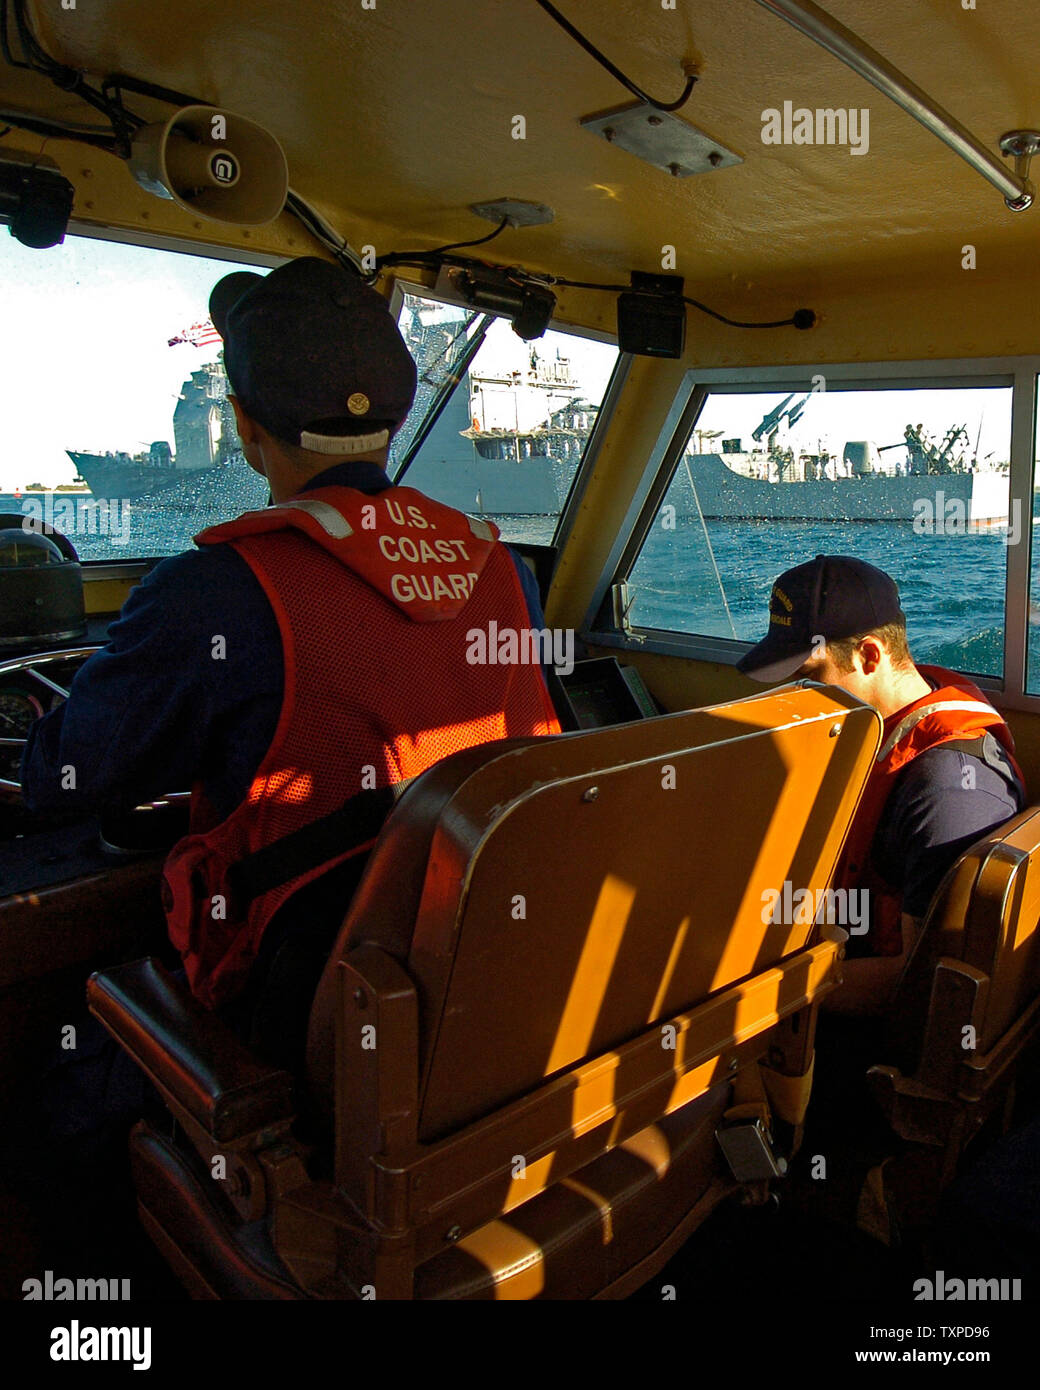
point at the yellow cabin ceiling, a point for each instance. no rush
(395, 119)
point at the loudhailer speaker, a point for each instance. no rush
(213, 164)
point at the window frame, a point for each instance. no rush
(1022, 374)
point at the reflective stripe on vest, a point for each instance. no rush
(326, 515)
(914, 718)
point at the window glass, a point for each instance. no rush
(509, 440)
(913, 481)
(114, 425)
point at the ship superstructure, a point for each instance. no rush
(509, 441)
(206, 458)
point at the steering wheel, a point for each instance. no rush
(35, 693)
(29, 694)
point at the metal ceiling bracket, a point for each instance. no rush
(1023, 144)
(663, 140)
(516, 211)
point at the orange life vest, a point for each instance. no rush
(956, 710)
(377, 598)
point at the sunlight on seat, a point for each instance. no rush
(592, 976)
(534, 1178)
(601, 1204)
(669, 970)
(652, 1147)
(792, 815)
(509, 1256)
(593, 1098)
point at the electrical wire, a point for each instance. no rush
(40, 125)
(5, 43)
(68, 79)
(395, 257)
(125, 123)
(801, 318)
(600, 58)
(322, 232)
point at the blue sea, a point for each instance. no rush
(712, 579)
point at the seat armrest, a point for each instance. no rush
(189, 1053)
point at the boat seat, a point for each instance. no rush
(554, 1032)
(968, 1004)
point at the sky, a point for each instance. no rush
(84, 364)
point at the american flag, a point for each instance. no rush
(199, 335)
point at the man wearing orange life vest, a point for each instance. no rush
(945, 772)
(342, 612)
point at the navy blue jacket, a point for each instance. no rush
(153, 712)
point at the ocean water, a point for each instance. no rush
(715, 584)
(951, 587)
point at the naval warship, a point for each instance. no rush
(508, 443)
(207, 463)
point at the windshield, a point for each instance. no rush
(114, 425)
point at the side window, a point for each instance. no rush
(914, 481)
(510, 437)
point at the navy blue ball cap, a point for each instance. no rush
(314, 355)
(831, 597)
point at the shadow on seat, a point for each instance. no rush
(969, 1002)
(555, 985)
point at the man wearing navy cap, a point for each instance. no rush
(945, 772)
(307, 657)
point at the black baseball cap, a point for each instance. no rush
(314, 355)
(832, 597)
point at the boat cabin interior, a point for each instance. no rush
(696, 293)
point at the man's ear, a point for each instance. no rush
(870, 653)
(248, 433)
(243, 423)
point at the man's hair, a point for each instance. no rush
(893, 635)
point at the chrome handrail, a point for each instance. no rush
(825, 30)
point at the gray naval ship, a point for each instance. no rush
(471, 459)
(772, 481)
(207, 467)
(509, 444)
